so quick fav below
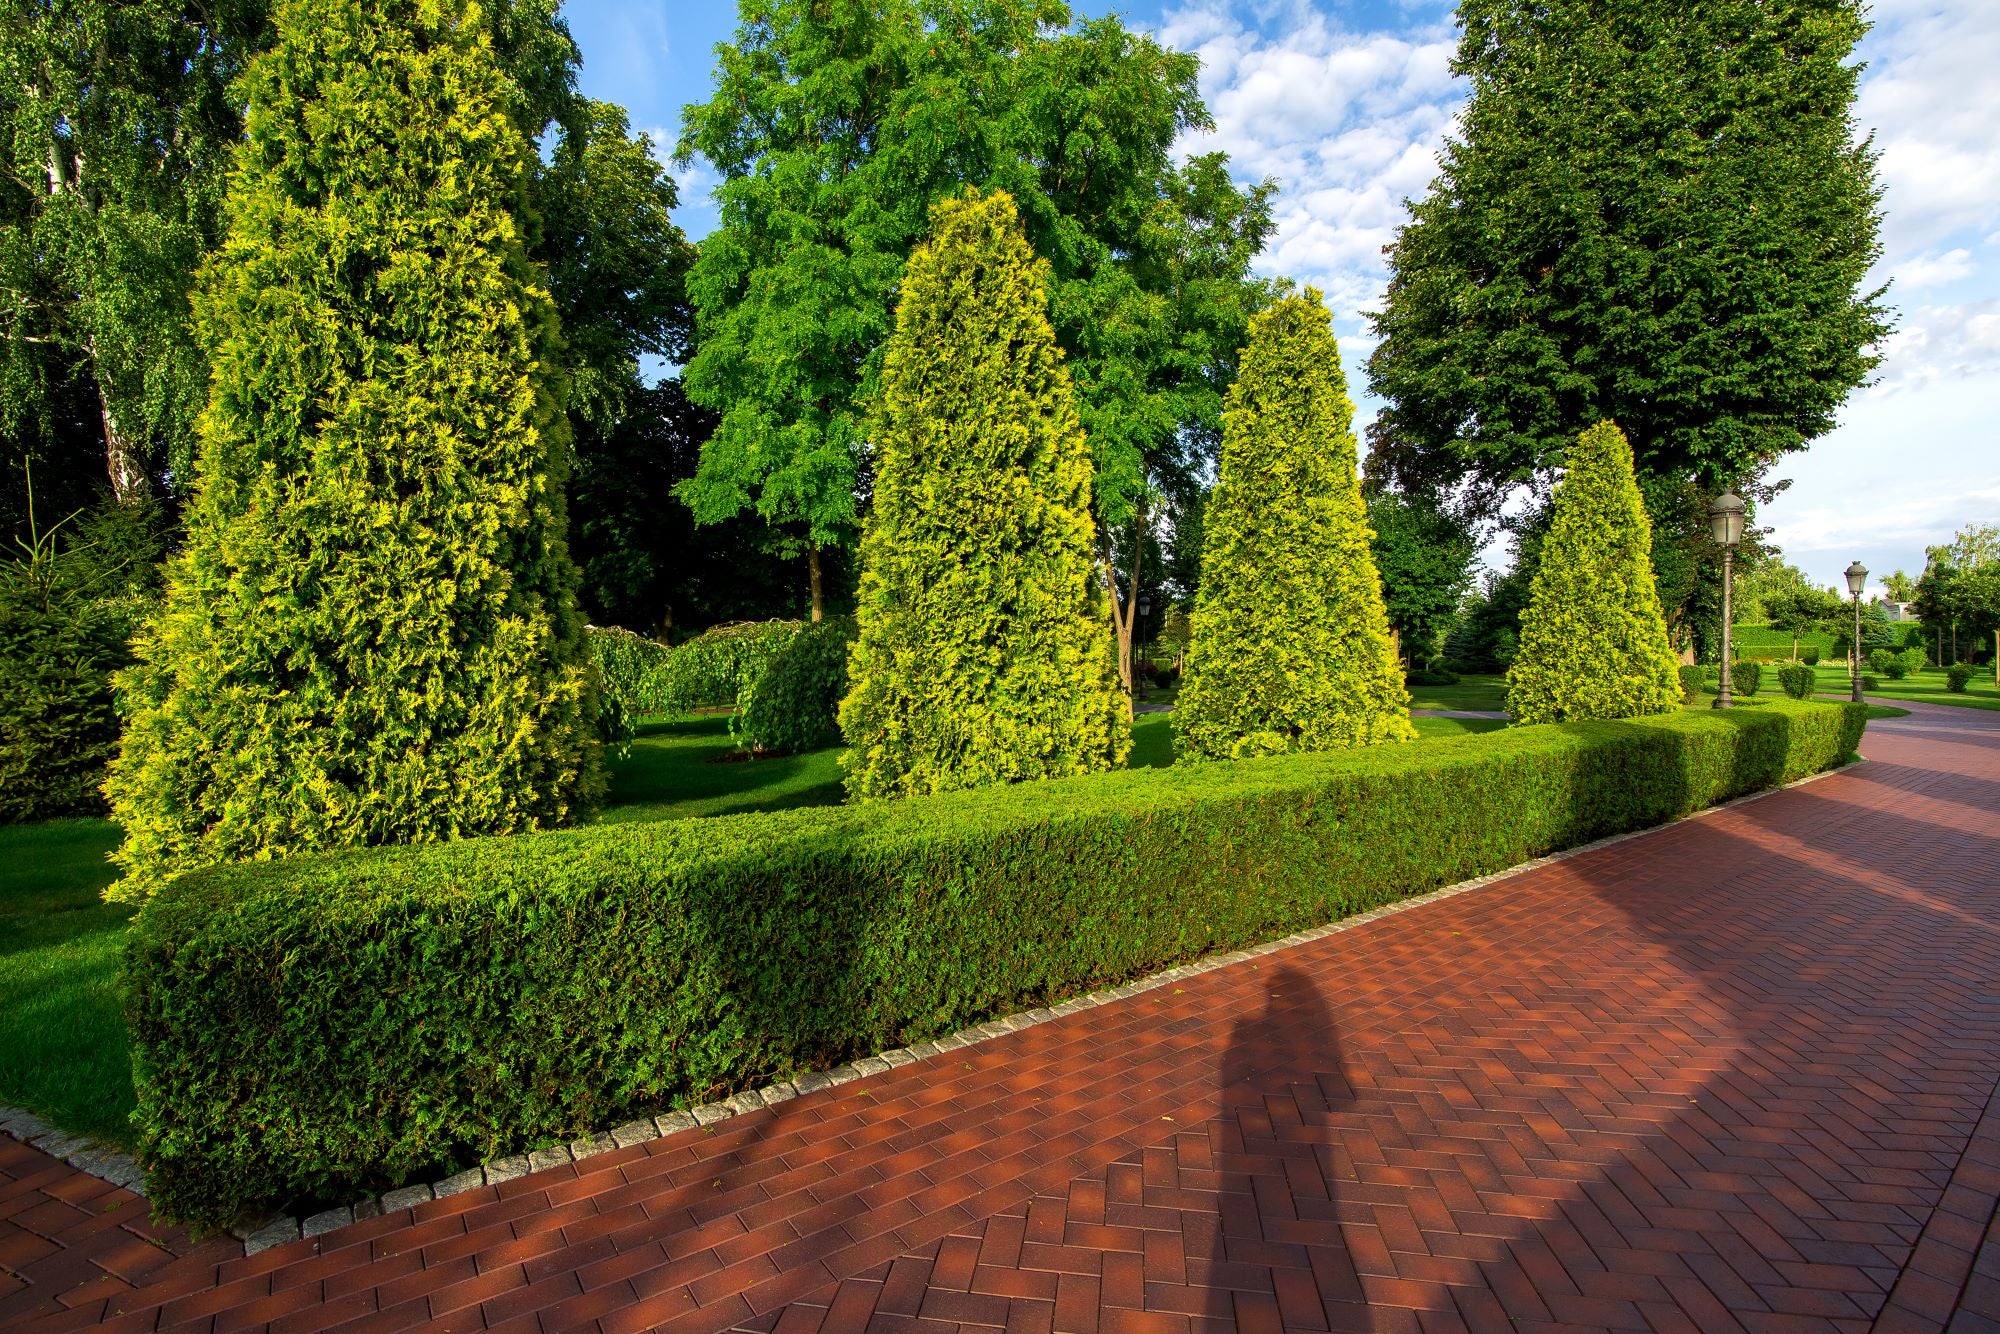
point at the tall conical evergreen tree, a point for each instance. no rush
(1593, 640)
(984, 653)
(371, 634)
(1291, 646)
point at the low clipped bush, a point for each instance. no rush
(307, 1028)
(1958, 678)
(1882, 662)
(1798, 680)
(1693, 678)
(1913, 660)
(1429, 676)
(718, 667)
(794, 704)
(1745, 677)
(1809, 655)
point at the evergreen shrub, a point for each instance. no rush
(984, 652)
(370, 635)
(1593, 639)
(1798, 680)
(1291, 647)
(1809, 655)
(1912, 660)
(794, 704)
(1693, 678)
(1958, 677)
(68, 605)
(1880, 660)
(414, 1009)
(1745, 678)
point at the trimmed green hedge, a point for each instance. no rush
(306, 1028)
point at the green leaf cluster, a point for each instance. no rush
(1661, 214)
(717, 668)
(836, 124)
(1593, 640)
(370, 635)
(526, 991)
(984, 653)
(1291, 647)
(794, 704)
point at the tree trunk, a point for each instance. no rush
(1125, 643)
(812, 569)
(123, 461)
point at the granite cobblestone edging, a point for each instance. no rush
(120, 1169)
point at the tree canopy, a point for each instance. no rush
(835, 124)
(1657, 214)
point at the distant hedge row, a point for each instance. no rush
(311, 1027)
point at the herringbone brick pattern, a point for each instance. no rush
(1718, 1077)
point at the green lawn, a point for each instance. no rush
(1925, 687)
(62, 1039)
(1487, 693)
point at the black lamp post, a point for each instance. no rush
(1725, 524)
(1857, 579)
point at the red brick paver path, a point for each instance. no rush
(1733, 1074)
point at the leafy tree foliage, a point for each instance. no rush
(1593, 640)
(983, 655)
(1653, 213)
(836, 123)
(1803, 610)
(1960, 592)
(645, 565)
(1291, 645)
(1425, 555)
(370, 635)
(115, 130)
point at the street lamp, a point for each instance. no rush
(1857, 579)
(1725, 524)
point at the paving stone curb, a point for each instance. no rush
(274, 1230)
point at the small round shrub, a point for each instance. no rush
(1809, 655)
(1745, 677)
(1693, 678)
(1958, 677)
(1798, 680)
(1869, 681)
(1912, 659)
(1879, 660)
(794, 704)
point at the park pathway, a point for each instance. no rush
(1735, 1073)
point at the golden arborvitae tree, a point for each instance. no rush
(371, 634)
(984, 653)
(1593, 639)
(1291, 646)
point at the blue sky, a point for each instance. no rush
(1346, 102)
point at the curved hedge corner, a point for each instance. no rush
(307, 1028)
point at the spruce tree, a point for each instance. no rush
(1593, 640)
(370, 635)
(984, 653)
(1291, 647)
